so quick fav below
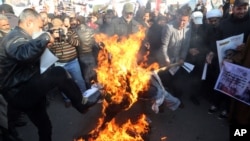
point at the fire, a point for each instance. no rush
(126, 132)
(117, 67)
(122, 79)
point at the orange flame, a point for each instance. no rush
(126, 132)
(121, 77)
(121, 72)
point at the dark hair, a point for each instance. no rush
(185, 10)
(81, 19)
(6, 8)
(110, 11)
(51, 16)
(71, 19)
(66, 17)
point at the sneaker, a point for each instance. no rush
(212, 110)
(88, 102)
(223, 115)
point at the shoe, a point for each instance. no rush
(83, 108)
(223, 115)
(88, 102)
(212, 110)
(195, 101)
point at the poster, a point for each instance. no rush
(234, 81)
(226, 47)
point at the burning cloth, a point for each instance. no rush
(162, 95)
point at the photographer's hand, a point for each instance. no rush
(241, 47)
(65, 29)
(51, 40)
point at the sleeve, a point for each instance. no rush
(27, 50)
(73, 38)
(165, 38)
(241, 57)
(185, 45)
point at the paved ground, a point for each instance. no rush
(192, 123)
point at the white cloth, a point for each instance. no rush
(163, 96)
(197, 17)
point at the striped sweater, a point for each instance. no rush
(65, 50)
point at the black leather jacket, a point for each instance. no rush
(19, 58)
(86, 38)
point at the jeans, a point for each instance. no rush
(31, 98)
(74, 70)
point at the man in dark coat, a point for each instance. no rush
(125, 25)
(22, 84)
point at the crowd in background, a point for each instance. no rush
(175, 36)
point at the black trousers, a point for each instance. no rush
(88, 64)
(32, 95)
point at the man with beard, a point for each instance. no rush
(8, 11)
(64, 48)
(4, 26)
(125, 25)
(106, 27)
(46, 24)
(238, 23)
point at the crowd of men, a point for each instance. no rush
(183, 35)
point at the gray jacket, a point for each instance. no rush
(173, 47)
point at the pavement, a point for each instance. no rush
(192, 123)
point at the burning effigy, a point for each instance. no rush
(123, 81)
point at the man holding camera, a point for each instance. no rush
(64, 48)
(22, 84)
